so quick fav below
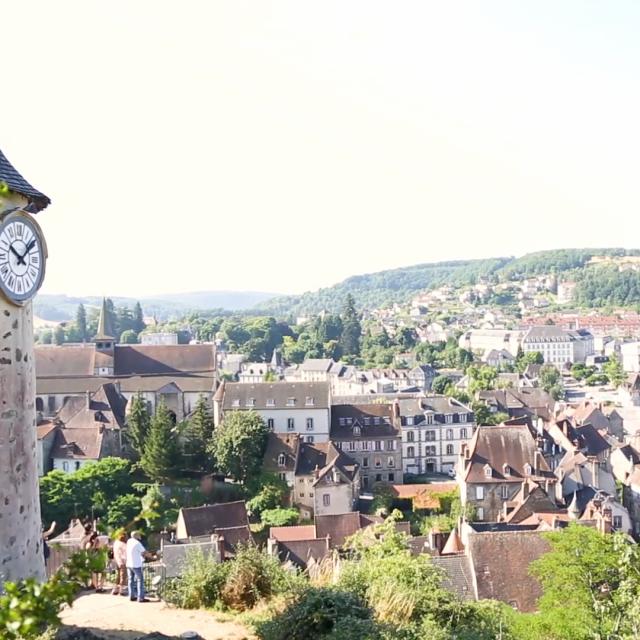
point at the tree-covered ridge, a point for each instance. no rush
(386, 287)
(383, 288)
(603, 286)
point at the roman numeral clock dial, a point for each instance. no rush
(22, 257)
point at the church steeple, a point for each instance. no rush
(105, 332)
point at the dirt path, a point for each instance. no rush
(118, 617)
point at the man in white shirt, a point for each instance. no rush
(135, 559)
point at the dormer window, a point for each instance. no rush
(271, 402)
(409, 421)
(349, 420)
(527, 469)
(376, 420)
(309, 401)
(235, 402)
(282, 460)
(251, 402)
(487, 471)
(462, 417)
(367, 421)
(448, 418)
(429, 418)
(356, 431)
(343, 421)
(291, 402)
(506, 470)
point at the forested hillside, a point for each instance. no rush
(385, 287)
(400, 285)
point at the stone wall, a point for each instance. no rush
(21, 553)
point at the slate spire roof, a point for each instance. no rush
(104, 325)
(15, 182)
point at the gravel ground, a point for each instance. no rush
(116, 617)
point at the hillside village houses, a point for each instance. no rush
(178, 374)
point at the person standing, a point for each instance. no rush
(120, 560)
(97, 561)
(135, 559)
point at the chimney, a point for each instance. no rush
(525, 490)
(316, 472)
(396, 408)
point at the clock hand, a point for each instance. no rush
(29, 247)
(17, 255)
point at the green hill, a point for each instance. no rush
(400, 285)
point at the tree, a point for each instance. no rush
(138, 422)
(46, 337)
(525, 359)
(81, 323)
(440, 384)
(58, 335)
(161, 457)
(551, 381)
(197, 434)
(272, 491)
(279, 517)
(351, 328)
(579, 577)
(123, 511)
(129, 337)
(614, 371)
(138, 319)
(112, 318)
(238, 444)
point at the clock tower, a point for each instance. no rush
(23, 254)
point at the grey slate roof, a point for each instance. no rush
(457, 574)
(276, 395)
(17, 183)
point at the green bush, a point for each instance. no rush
(28, 608)
(322, 613)
(200, 584)
(279, 517)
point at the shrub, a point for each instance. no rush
(200, 584)
(322, 613)
(254, 575)
(279, 517)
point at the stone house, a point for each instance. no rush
(286, 407)
(370, 434)
(433, 429)
(494, 465)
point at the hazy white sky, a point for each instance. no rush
(283, 146)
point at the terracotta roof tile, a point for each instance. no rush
(287, 534)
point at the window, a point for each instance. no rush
(352, 446)
(326, 499)
(309, 401)
(291, 424)
(301, 481)
(429, 418)
(378, 445)
(65, 466)
(506, 470)
(342, 422)
(310, 439)
(250, 402)
(449, 434)
(462, 417)
(411, 436)
(448, 418)
(235, 402)
(391, 462)
(504, 492)
(378, 477)
(376, 420)
(480, 513)
(367, 421)
(282, 475)
(356, 431)
(270, 424)
(488, 472)
(77, 464)
(617, 522)
(479, 493)
(392, 477)
(409, 421)
(430, 451)
(431, 435)
(282, 460)
(449, 450)
(365, 445)
(309, 424)
(390, 445)
(271, 402)
(377, 462)
(291, 402)
(411, 452)
(365, 481)
(463, 433)
(365, 462)
(527, 469)
(301, 494)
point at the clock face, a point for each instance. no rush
(22, 257)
